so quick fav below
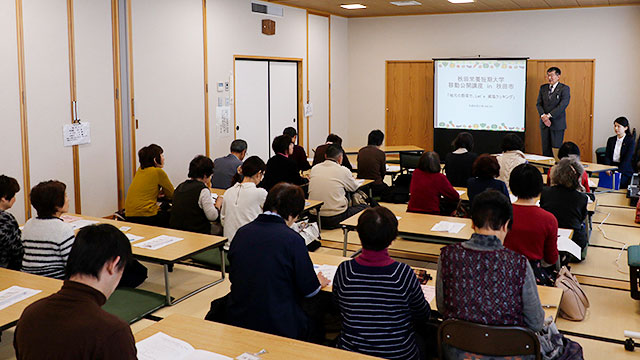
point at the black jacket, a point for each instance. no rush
(626, 154)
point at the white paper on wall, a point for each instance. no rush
(76, 134)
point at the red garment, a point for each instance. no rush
(534, 233)
(426, 189)
(584, 180)
(374, 258)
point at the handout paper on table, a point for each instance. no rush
(124, 228)
(329, 271)
(447, 226)
(513, 198)
(161, 346)
(429, 292)
(564, 232)
(534, 157)
(307, 203)
(69, 218)
(359, 182)
(461, 192)
(592, 183)
(79, 224)
(133, 238)
(393, 168)
(15, 294)
(158, 242)
(566, 244)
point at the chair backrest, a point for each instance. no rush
(409, 160)
(488, 339)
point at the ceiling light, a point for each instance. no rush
(353, 6)
(460, 1)
(405, 3)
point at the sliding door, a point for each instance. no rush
(252, 106)
(283, 97)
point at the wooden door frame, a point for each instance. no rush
(298, 62)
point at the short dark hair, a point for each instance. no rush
(376, 137)
(491, 209)
(281, 144)
(249, 167)
(463, 140)
(291, 131)
(149, 156)
(333, 151)
(285, 199)
(200, 167)
(47, 197)
(525, 181)
(568, 148)
(334, 139)
(94, 246)
(377, 228)
(429, 162)
(238, 146)
(624, 122)
(511, 142)
(8, 187)
(486, 167)
(553, 68)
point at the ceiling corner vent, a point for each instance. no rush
(258, 7)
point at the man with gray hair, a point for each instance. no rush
(224, 168)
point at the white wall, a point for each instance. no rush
(607, 34)
(233, 30)
(340, 76)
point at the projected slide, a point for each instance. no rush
(482, 94)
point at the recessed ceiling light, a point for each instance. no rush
(460, 1)
(406, 3)
(353, 6)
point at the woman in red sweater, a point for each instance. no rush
(534, 231)
(429, 185)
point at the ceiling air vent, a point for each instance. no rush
(266, 9)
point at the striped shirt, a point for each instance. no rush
(379, 306)
(47, 243)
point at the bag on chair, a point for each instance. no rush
(574, 302)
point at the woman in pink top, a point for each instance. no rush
(430, 191)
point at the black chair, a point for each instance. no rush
(409, 161)
(488, 340)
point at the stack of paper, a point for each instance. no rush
(158, 242)
(15, 294)
(566, 244)
(328, 271)
(161, 346)
(564, 233)
(446, 226)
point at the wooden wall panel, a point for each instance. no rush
(10, 145)
(409, 105)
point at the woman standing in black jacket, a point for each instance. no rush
(620, 150)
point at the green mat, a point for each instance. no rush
(211, 258)
(633, 255)
(132, 305)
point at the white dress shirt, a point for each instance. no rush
(617, 148)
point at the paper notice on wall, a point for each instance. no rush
(76, 134)
(308, 109)
(223, 121)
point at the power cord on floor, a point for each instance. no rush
(624, 245)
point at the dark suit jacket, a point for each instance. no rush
(281, 169)
(626, 154)
(554, 105)
(224, 168)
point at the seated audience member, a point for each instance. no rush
(242, 202)
(620, 150)
(329, 182)
(511, 156)
(318, 156)
(226, 167)
(372, 163)
(430, 190)
(534, 231)
(565, 200)
(485, 170)
(458, 164)
(374, 283)
(193, 207)
(71, 323)
(47, 240)
(11, 250)
(568, 149)
(141, 204)
(280, 168)
(271, 272)
(298, 155)
(483, 282)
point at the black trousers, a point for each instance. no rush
(550, 139)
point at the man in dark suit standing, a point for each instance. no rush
(553, 100)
